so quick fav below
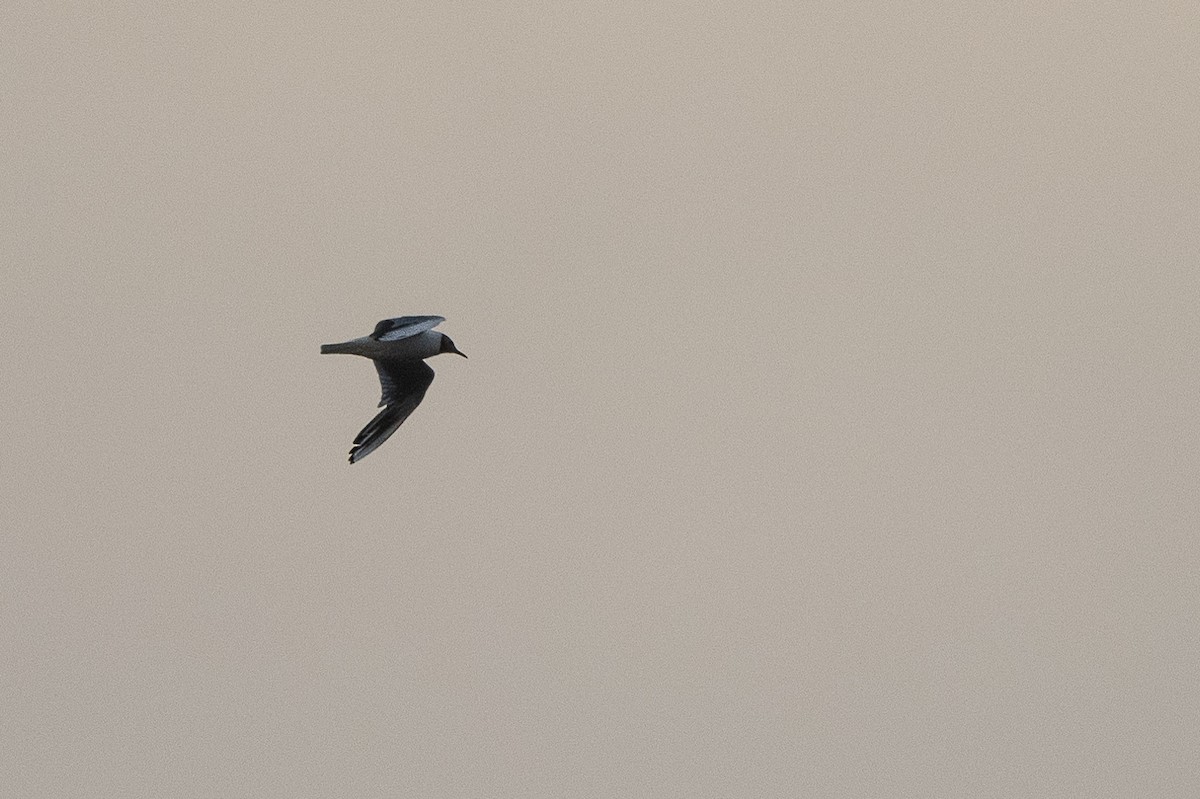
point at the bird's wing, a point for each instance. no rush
(400, 379)
(404, 385)
(404, 327)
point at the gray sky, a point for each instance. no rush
(829, 427)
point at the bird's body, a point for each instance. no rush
(398, 347)
(420, 346)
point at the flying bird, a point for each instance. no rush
(399, 348)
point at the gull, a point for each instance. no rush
(399, 348)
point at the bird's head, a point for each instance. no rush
(448, 346)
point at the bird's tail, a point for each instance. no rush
(334, 349)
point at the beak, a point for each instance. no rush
(456, 352)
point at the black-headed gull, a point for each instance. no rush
(399, 348)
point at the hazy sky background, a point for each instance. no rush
(829, 428)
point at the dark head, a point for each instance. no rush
(448, 346)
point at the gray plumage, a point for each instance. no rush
(398, 347)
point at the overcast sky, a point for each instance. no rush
(829, 427)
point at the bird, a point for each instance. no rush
(399, 348)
